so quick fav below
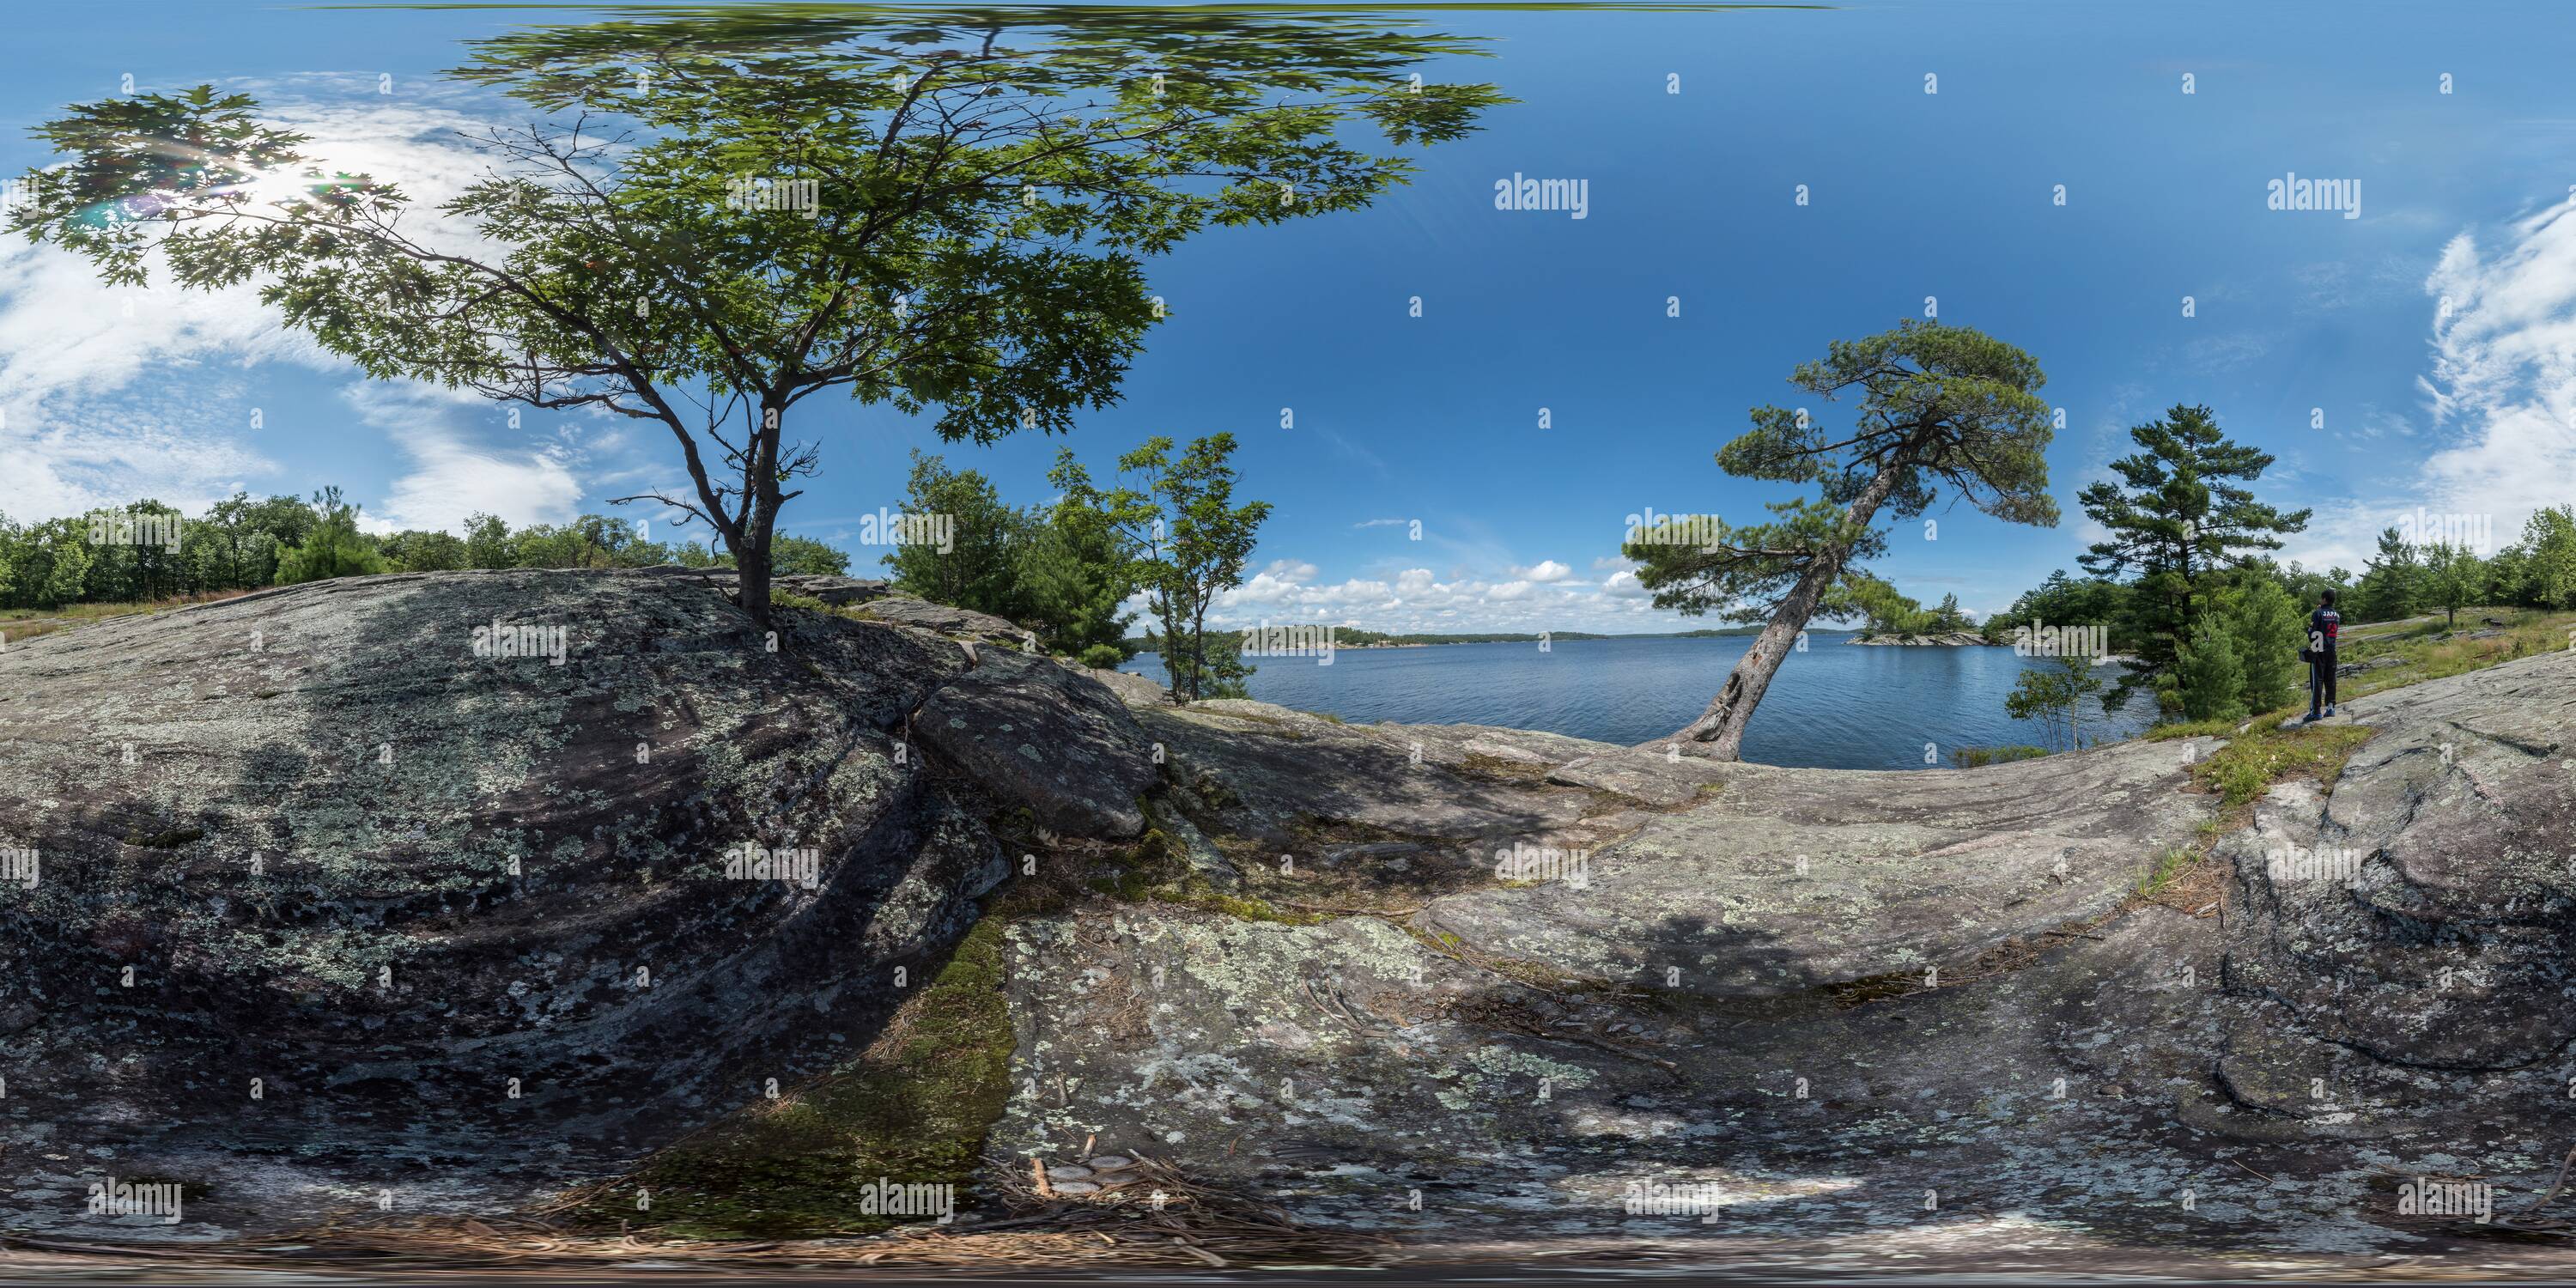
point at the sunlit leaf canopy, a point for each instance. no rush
(941, 210)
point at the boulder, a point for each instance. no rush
(1133, 689)
(1033, 733)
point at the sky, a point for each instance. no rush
(2088, 182)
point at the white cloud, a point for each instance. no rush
(110, 393)
(1547, 570)
(2501, 392)
(2504, 375)
(453, 473)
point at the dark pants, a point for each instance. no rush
(2321, 681)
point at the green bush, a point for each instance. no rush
(2211, 675)
(1103, 657)
(2269, 631)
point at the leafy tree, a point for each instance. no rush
(805, 555)
(982, 538)
(2054, 695)
(2063, 601)
(1192, 542)
(968, 199)
(414, 551)
(67, 581)
(2506, 572)
(335, 547)
(487, 541)
(2179, 512)
(1947, 617)
(2209, 675)
(1938, 405)
(2549, 577)
(2304, 586)
(2454, 577)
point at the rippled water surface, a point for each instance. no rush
(1837, 705)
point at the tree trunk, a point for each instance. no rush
(751, 575)
(759, 520)
(1722, 725)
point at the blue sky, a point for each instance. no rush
(1951, 195)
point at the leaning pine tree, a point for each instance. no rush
(718, 215)
(1938, 405)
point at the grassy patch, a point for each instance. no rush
(1132, 874)
(1972, 757)
(1241, 907)
(1483, 765)
(2167, 869)
(1874, 988)
(2272, 752)
(75, 614)
(23, 631)
(2424, 653)
(914, 1110)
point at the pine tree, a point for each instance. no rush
(1938, 407)
(2392, 584)
(2175, 517)
(2209, 677)
(2268, 632)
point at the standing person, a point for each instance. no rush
(2323, 626)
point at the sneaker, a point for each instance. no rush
(2329, 710)
(2313, 717)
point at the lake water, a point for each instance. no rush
(1837, 705)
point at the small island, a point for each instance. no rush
(1936, 639)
